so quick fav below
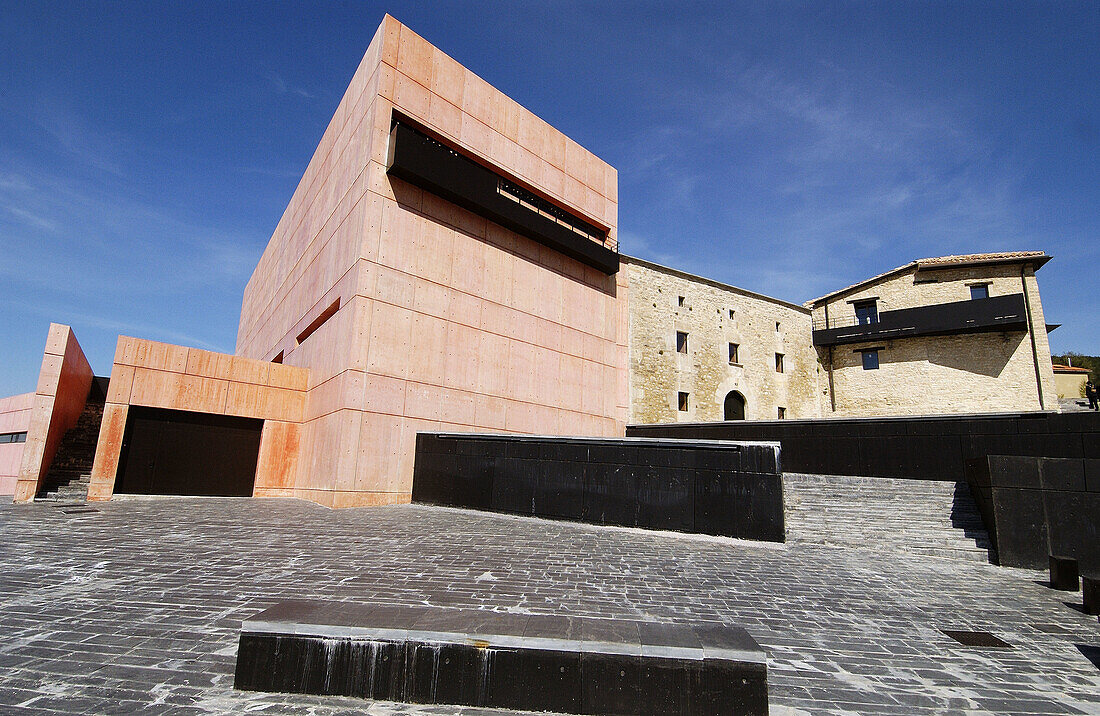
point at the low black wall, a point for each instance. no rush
(728, 489)
(434, 655)
(1036, 507)
(923, 448)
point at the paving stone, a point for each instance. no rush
(137, 608)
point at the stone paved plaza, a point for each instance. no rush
(135, 607)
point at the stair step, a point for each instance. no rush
(69, 473)
(885, 515)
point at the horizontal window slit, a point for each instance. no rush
(318, 322)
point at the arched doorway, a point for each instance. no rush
(734, 407)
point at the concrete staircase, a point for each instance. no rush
(930, 518)
(71, 469)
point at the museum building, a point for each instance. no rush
(449, 262)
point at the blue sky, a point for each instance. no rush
(147, 150)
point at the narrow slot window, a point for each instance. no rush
(681, 342)
(778, 362)
(782, 413)
(318, 322)
(682, 402)
(680, 301)
(733, 353)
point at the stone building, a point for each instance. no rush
(701, 350)
(955, 334)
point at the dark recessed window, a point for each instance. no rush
(980, 290)
(319, 321)
(778, 362)
(731, 314)
(782, 413)
(866, 312)
(733, 353)
(870, 359)
(13, 438)
(679, 300)
(682, 401)
(681, 342)
(777, 326)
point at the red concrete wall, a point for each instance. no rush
(15, 417)
(63, 384)
(445, 321)
(160, 375)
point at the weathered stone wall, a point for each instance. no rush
(658, 372)
(981, 372)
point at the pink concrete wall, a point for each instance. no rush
(445, 320)
(15, 417)
(161, 375)
(63, 384)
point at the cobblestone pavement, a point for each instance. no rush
(135, 607)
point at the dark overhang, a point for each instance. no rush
(433, 166)
(998, 313)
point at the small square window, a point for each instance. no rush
(980, 290)
(782, 413)
(870, 359)
(681, 342)
(682, 401)
(866, 312)
(778, 362)
(679, 300)
(733, 353)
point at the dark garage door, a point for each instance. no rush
(172, 452)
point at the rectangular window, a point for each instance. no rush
(778, 362)
(866, 312)
(731, 314)
(733, 353)
(13, 438)
(682, 402)
(979, 290)
(777, 326)
(782, 413)
(681, 342)
(680, 301)
(870, 359)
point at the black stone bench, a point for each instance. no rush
(1063, 573)
(1090, 593)
(464, 657)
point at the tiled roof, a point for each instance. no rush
(981, 258)
(1069, 369)
(943, 262)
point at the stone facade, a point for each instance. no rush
(664, 302)
(998, 371)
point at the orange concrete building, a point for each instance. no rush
(448, 262)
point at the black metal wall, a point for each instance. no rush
(922, 448)
(733, 490)
(174, 452)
